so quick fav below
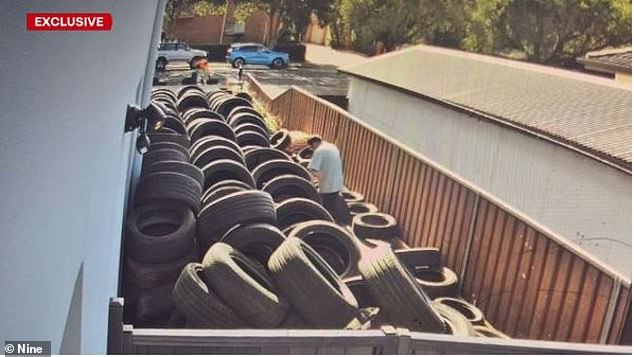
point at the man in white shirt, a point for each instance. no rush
(326, 166)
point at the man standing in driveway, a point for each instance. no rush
(326, 166)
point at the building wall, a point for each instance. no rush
(66, 165)
(205, 30)
(578, 197)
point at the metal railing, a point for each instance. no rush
(530, 282)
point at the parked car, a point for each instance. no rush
(177, 51)
(254, 53)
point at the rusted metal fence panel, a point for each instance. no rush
(530, 282)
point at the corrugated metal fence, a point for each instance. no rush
(529, 282)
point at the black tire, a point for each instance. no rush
(254, 138)
(148, 276)
(333, 243)
(161, 64)
(359, 289)
(469, 311)
(237, 62)
(222, 184)
(221, 170)
(374, 226)
(221, 192)
(224, 106)
(207, 127)
(217, 153)
(165, 188)
(244, 285)
(413, 258)
(306, 153)
(280, 139)
(198, 302)
(257, 241)
(297, 210)
(243, 118)
(310, 285)
(210, 142)
(351, 196)
(265, 172)
(361, 208)
(284, 187)
(437, 283)
(245, 95)
(277, 63)
(293, 321)
(257, 156)
(243, 109)
(242, 207)
(154, 306)
(154, 156)
(397, 293)
(192, 100)
(187, 89)
(174, 123)
(455, 323)
(251, 127)
(184, 168)
(165, 91)
(182, 140)
(167, 145)
(198, 113)
(157, 234)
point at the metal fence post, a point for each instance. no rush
(467, 251)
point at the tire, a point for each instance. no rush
(277, 63)
(351, 196)
(246, 96)
(192, 100)
(489, 331)
(306, 153)
(397, 293)
(374, 226)
(257, 241)
(187, 89)
(437, 283)
(182, 140)
(217, 153)
(174, 123)
(359, 289)
(221, 192)
(455, 323)
(210, 142)
(225, 105)
(198, 113)
(161, 64)
(469, 311)
(159, 234)
(334, 244)
(154, 156)
(267, 171)
(293, 321)
(242, 207)
(254, 138)
(281, 139)
(170, 93)
(221, 170)
(310, 285)
(184, 168)
(244, 285)
(259, 156)
(166, 188)
(148, 276)
(251, 127)
(284, 187)
(361, 208)
(208, 196)
(154, 305)
(246, 118)
(297, 210)
(168, 145)
(412, 258)
(207, 127)
(244, 109)
(237, 62)
(198, 302)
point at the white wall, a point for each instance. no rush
(65, 165)
(580, 198)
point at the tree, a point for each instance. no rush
(557, 31)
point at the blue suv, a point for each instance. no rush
(253, 53)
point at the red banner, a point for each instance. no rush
(68, 22)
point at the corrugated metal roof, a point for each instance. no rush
(592, 115)
(619, 60)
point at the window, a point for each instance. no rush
(249, 48)
(182, 47)
(167, 47)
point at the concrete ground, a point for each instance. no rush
(317, 75)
